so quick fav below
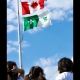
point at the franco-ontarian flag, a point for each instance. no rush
(41, 20)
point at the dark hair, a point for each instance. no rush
(13, 75)
(11, 64)
(65, 65)
(36, 73)
(26, 77)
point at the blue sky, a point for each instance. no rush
(42, 46)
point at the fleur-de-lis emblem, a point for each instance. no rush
(45, 19)
(31, 21)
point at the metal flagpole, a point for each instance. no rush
(19, 39)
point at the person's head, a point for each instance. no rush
(65, 65)
(10, 64)
(26, 77)
(12, 75)
(36, 73)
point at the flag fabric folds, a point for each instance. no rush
(38, 4)
(30, 22)
(41, 20)
(28, 8)
(37, 19)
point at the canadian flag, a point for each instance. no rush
(28, 8)
(38, 4)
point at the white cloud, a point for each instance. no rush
(70, 19)
(15, 43)
(51, 72)
(13, 46)
(11, 28)
(59, 10)
(34, 30)
(45, 62)
(10, 15)
(59, 4)
(58, 14)
(25, 44)
(49, 67)
(11, 49)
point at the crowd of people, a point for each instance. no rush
(65, 69)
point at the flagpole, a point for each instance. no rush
(19, 39)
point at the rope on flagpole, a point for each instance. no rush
(22, 38)
(22, 34)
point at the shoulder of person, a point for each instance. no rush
(63, 75)
(20, 78)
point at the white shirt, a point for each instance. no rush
(65, 76)
(20, 78)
